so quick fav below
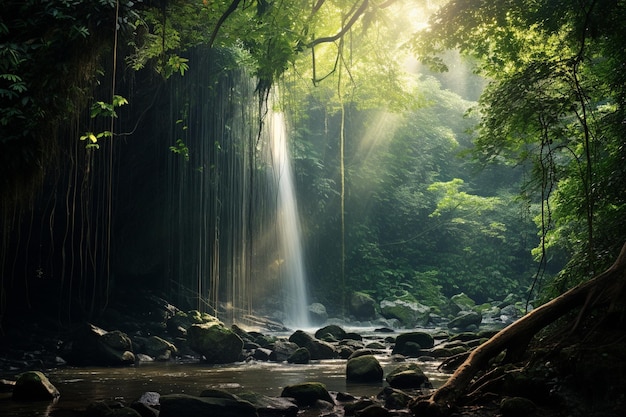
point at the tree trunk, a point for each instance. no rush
(604, 288)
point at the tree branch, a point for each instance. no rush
(344, 29)
(233, 6)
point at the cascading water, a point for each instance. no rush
(291, 262)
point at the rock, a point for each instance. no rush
(408, 375)
(409, 313)
(364, 369)
(463, 302)
(374, 410)
(517, 407)
(394, 398)
(270, 406)
(318, 348)
(215, 342)
(92, 345)
(307, 393)
(110, 409)
(337, 332)
(464, 320)
(34, 386)
(178, 324)
(150, 398)
(159, 348)
(362, 306)
(218, 393)
(403, 346)
(177, 405)
(262, 354)
(282, 350)
(300, 356)
(317, 314)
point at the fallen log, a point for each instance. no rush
(606, 287)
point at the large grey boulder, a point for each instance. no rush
(34, 386)
(364, 368)
(409, 313)
(317, 314)
(362, 306)
(217, 343)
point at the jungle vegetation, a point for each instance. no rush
(512, 181)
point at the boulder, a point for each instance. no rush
(270, 406)
(409, 313)
(318, 348)
(362, 306)
(466, 319)
(176, 405)
(395, 399)
(300, 356)
(307, 393)
(34, 386)
(317, 314)
(404, 340)
(517, 407)
(332, 329)
(159, 348)
(463, 302)
(92, 345)
(364, 369)
(407, 375)
(110, 408)
(282, 350)
(215, 342)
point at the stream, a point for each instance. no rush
(80, 386)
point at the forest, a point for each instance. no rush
(438, 148)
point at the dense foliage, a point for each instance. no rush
(389, 198)
(556, 100)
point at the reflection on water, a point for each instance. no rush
(81, 386)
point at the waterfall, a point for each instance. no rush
(288, 224)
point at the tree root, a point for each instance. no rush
(514, 339)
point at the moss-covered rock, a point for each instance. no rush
(218, 344)
(407, 375)
(34, 386)
(364, 368)
(408, 311)
(307, 393)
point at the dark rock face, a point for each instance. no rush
(307, 393)
(215, 342)
(364, 368)
(177, 405)
(34, 386)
